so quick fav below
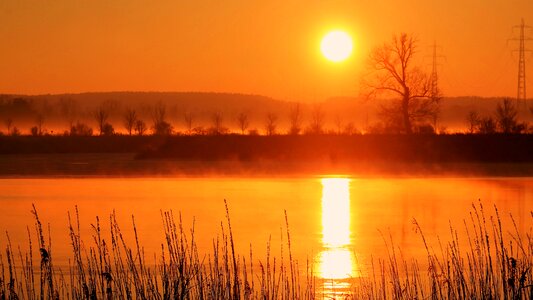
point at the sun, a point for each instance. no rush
(336, 46)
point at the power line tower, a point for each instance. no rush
(434, 91)
(521, 95)
(521, 92)
(434, 80)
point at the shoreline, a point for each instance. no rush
(125, 165)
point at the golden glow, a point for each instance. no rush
(336, 46)
(336, 262)
(61, 47)
(335, 212)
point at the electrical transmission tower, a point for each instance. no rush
(434, 91)
(521, 95)
(434, 80)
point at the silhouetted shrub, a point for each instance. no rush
(107, 129)
(506, 116)
(34, 131)
(350, 129)
(425, 129)
(487, 125)
(162, 128)
(218, 130)
(15, 131)
(519, 128)
(140, 127)
(473, 120)
(200, 130)
(81, 129)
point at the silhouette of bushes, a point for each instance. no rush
(81, 129)
(421, 148)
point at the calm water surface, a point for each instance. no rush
(336, 223)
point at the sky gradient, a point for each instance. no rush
(270, 47)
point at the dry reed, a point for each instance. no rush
(496, 264)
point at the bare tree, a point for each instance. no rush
(487, 125)
(9, 123)
(101, 115)
(242, 120)
(130, 118)
(159, 112)
(160, 125)
(270, 126)
(188, 117)
(317, 120)
(295, 117)
(140, 127)
(392, 73)
(216, 119)
(68, 109)
(506, 116)
(40, 124)
(473, 121)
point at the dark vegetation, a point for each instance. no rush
(353, 149)
(414, 155)
(515, 148)
(78, 144)
(488, 262)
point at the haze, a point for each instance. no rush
(257, 47)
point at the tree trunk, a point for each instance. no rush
(405, 115)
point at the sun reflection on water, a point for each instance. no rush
(335, 212)
(336, 262)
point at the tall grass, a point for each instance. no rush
(495, 264)
(488, 262)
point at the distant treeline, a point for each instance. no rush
(505, 148)
(215, 114)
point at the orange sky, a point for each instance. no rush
(247, 46)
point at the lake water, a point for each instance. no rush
(335, 222)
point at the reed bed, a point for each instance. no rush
(496, 263)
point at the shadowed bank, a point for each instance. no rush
(498, 155)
